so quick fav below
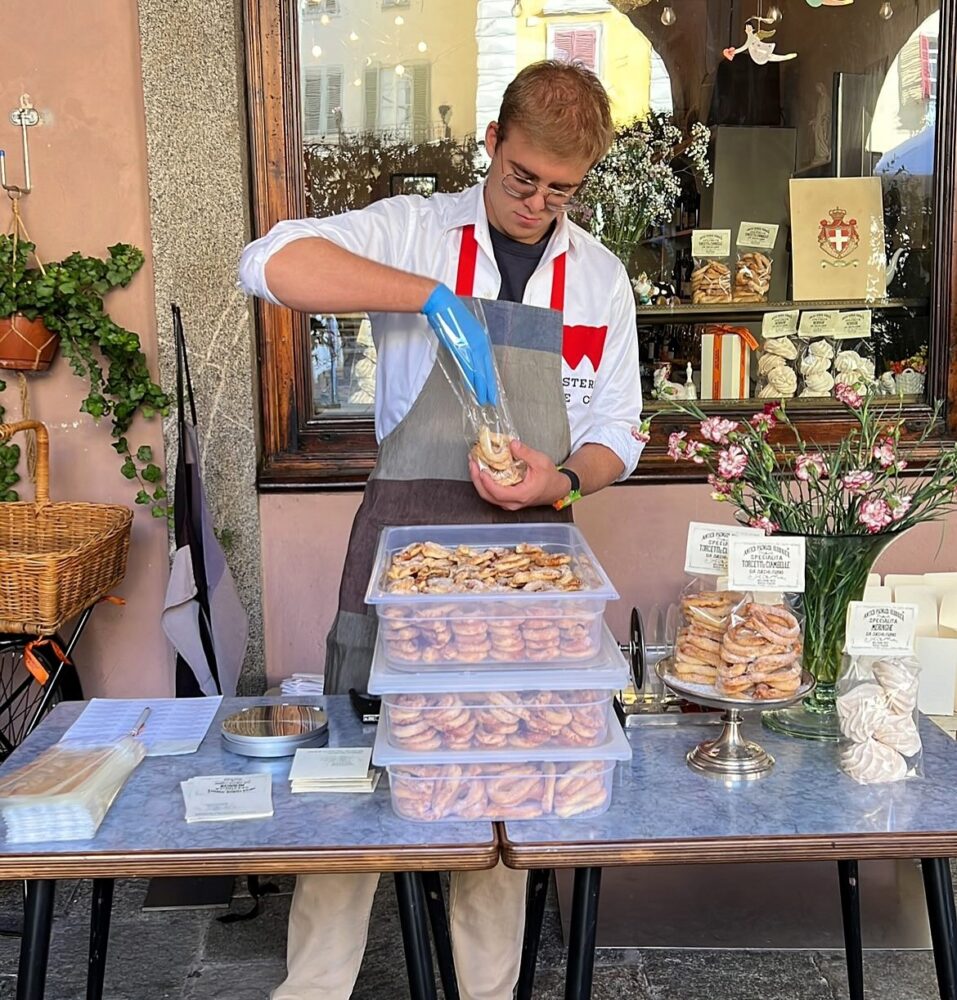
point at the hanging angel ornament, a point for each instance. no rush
(756, 43)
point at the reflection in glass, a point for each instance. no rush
(397, 95)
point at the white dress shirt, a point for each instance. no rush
(423, 235)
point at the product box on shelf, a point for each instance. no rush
(726, 362)
(484, 594)
(504, 784)
(507, 707)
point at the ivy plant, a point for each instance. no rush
(68, 297)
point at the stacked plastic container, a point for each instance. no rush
(497, 705)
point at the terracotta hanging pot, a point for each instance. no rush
(26, 345)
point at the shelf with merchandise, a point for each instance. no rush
(687, 312)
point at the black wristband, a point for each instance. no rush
(573, 478)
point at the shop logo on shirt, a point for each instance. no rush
(583, 342)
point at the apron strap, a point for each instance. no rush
(468, 257)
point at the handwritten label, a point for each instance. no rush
(819, 323)
(780, 324)
(879, 629)
(711, 243)
(771, 563)
(854, 325)
(759, 235)
(707, 551)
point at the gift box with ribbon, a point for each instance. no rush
(726, 361)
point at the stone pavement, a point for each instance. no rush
(190, 955)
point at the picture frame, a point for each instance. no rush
(422, 184)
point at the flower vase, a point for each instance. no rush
(836, 571)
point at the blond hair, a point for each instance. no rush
(562, 108)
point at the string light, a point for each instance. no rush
(316, 51)
(668, 16)
(422, 46)
(353, 37)
(357, 82)
(400, 70)
(886, 11)
(324, 19)
(399, 20)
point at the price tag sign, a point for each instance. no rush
(768, 563)
(779, 324)
(854, 325)
(759, 235)
(711, 243)
(880, 629)
(707, 551)
(819, 323)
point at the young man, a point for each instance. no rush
(561, 317)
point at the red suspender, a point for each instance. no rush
(558, 283)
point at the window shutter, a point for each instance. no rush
(333, 97)
(421, 101)
(563, 42)
(371, 99)
(585, 48)
(312, 102)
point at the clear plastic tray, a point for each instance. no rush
(607, 671)
(491, 626)
(615, 746)
(480, 720)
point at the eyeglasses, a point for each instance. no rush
(555, 201)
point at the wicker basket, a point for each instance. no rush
(56, 559)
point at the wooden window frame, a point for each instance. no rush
(299, 451)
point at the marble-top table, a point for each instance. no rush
(806, 809)
(145, 834)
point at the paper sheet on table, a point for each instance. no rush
(174, 726)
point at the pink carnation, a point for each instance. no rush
(886, 453)
(849, 396)
(676, 445)
(899, 504)
(692, 448)
(717, 429)
(642, 434)
(857, 482)
(765, 524)
(875, 515)
(732, 461)
(720, 488)
(764, 422)
(810, 467)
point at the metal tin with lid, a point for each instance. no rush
(275, 730)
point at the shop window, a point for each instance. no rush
(396, 101)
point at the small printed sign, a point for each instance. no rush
(855, 325)
(707, 550)
(757, 235)
(880, 629)
(768, 563)
(780, 324)
(819, 323)
(711, 243)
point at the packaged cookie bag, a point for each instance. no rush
(816, 368)
(754, 250)
(489, 429)
(854, 364)
(711, 277)
(760, 654)
(877, 694)
(706, 606)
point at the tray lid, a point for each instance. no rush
(608, 671)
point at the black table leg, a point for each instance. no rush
(415, 936)
(943, 924)
(582, 933)
(535, 897)
(35, 944)
(101, 909)
(851, 918)
(435, 901)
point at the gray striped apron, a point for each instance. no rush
(421, 475)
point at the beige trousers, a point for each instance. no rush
(329, 925)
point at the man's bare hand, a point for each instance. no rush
(542, 486)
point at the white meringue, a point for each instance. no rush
(867, 369)
(847, 361)
(783, 347)
(871, 762)
(900, 733)
(900, 682)
(769, 361)
(813, 365)
(862, 710)
(822, 349)
(783, 381)
(819, 384)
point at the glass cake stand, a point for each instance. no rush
(730, 755)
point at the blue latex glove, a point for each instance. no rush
(463, 335)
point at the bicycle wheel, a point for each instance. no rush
(23, 700)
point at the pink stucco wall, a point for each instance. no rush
(638, 533)
(81, 66)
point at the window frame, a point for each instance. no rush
(300, 451)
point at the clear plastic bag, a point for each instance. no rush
(854, 365)
(752, 275)
(489, 430)
(704, 615)
(777, 369)
(816, 368)
(65, 792)
(877, 712)
(711, 280)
